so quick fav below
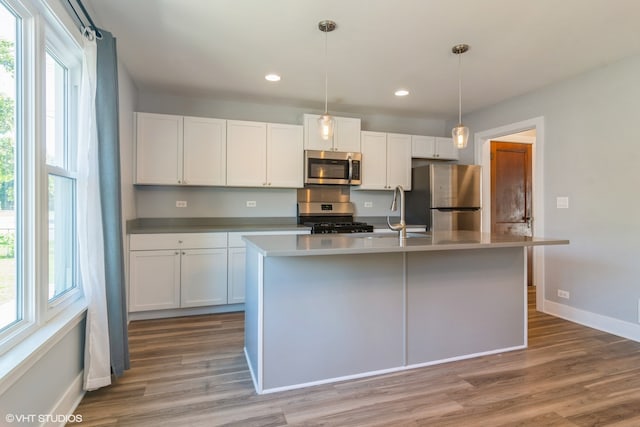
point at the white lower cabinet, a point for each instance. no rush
(185, 270)
(203, 277)
(154, 280)
(235, 274)
(177, 270)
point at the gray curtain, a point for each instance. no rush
(109, 165)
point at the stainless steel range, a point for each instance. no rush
(328, 210)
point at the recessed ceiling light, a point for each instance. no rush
(272, 77)
(401, 92)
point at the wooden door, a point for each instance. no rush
(511, 192)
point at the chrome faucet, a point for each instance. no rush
(401, 227)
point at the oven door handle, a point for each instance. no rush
(350, 168)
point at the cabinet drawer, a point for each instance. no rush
(147, 242)
(235, 238)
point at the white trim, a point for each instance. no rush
(23, 356)
(482, 155)
(253, 374)
(389, 370)
(260, 344)
(607, 324)
(181, 312)
(67, 403)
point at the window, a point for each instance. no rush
(61, 181)
(38, 249)
(11, 287)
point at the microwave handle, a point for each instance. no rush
(350, 168)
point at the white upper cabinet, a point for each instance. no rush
(264, 154)
(204, 151)
(246, 153)
(285, 156)
(433, 147)
(386, 161)
(158, 149)
(346, 135)
(176, 150)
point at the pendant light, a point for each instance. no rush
(326, 122)
(460, 133)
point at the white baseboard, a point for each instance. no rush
(613, 326)
(62, 411)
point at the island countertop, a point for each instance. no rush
(366, 243)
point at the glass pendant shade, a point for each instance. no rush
(326, 124)
(460, 135)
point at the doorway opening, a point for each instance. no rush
(529, 132)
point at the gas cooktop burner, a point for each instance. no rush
(340, 227)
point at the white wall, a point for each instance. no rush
(231, 202)
(591, 155)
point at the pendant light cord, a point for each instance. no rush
(459, 88)
(326, 73)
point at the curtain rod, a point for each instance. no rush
(91, 25)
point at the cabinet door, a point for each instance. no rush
(204, 277)
(423, 146)
(347, 135)
(399, 160)
(236, 279)
(246, 153)
(445, 149)
(285, 156)
(158, 149)
(154, 280)
(205, 155)
(374, 160)
(312, 140)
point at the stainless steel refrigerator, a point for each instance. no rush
(444, 197)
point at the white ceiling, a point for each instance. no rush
(223, 48)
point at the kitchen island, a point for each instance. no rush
(324, 308)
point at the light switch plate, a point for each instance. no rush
(562, 202)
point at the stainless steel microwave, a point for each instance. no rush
(332, 167)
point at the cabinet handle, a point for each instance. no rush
(179, 182)
(179, 241)
(268, 183)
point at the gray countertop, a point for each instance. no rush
(360, 243)
(208, 225)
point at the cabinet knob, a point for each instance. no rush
(179, 182)
(179, 241)
(268, 183)
(177, 253)
(183, 253)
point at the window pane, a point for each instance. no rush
(62, 236)
(10, 288)
(55, 125)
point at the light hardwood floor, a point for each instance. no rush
(192, 372)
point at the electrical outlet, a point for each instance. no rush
(368, 204)
(562, 203)
(563, 294)
(181, 203)
(251, 203)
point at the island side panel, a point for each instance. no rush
(327, 317)
(464, 302)
(252, 310)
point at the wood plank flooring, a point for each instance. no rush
(192, 372)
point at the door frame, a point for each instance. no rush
(482, 154)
